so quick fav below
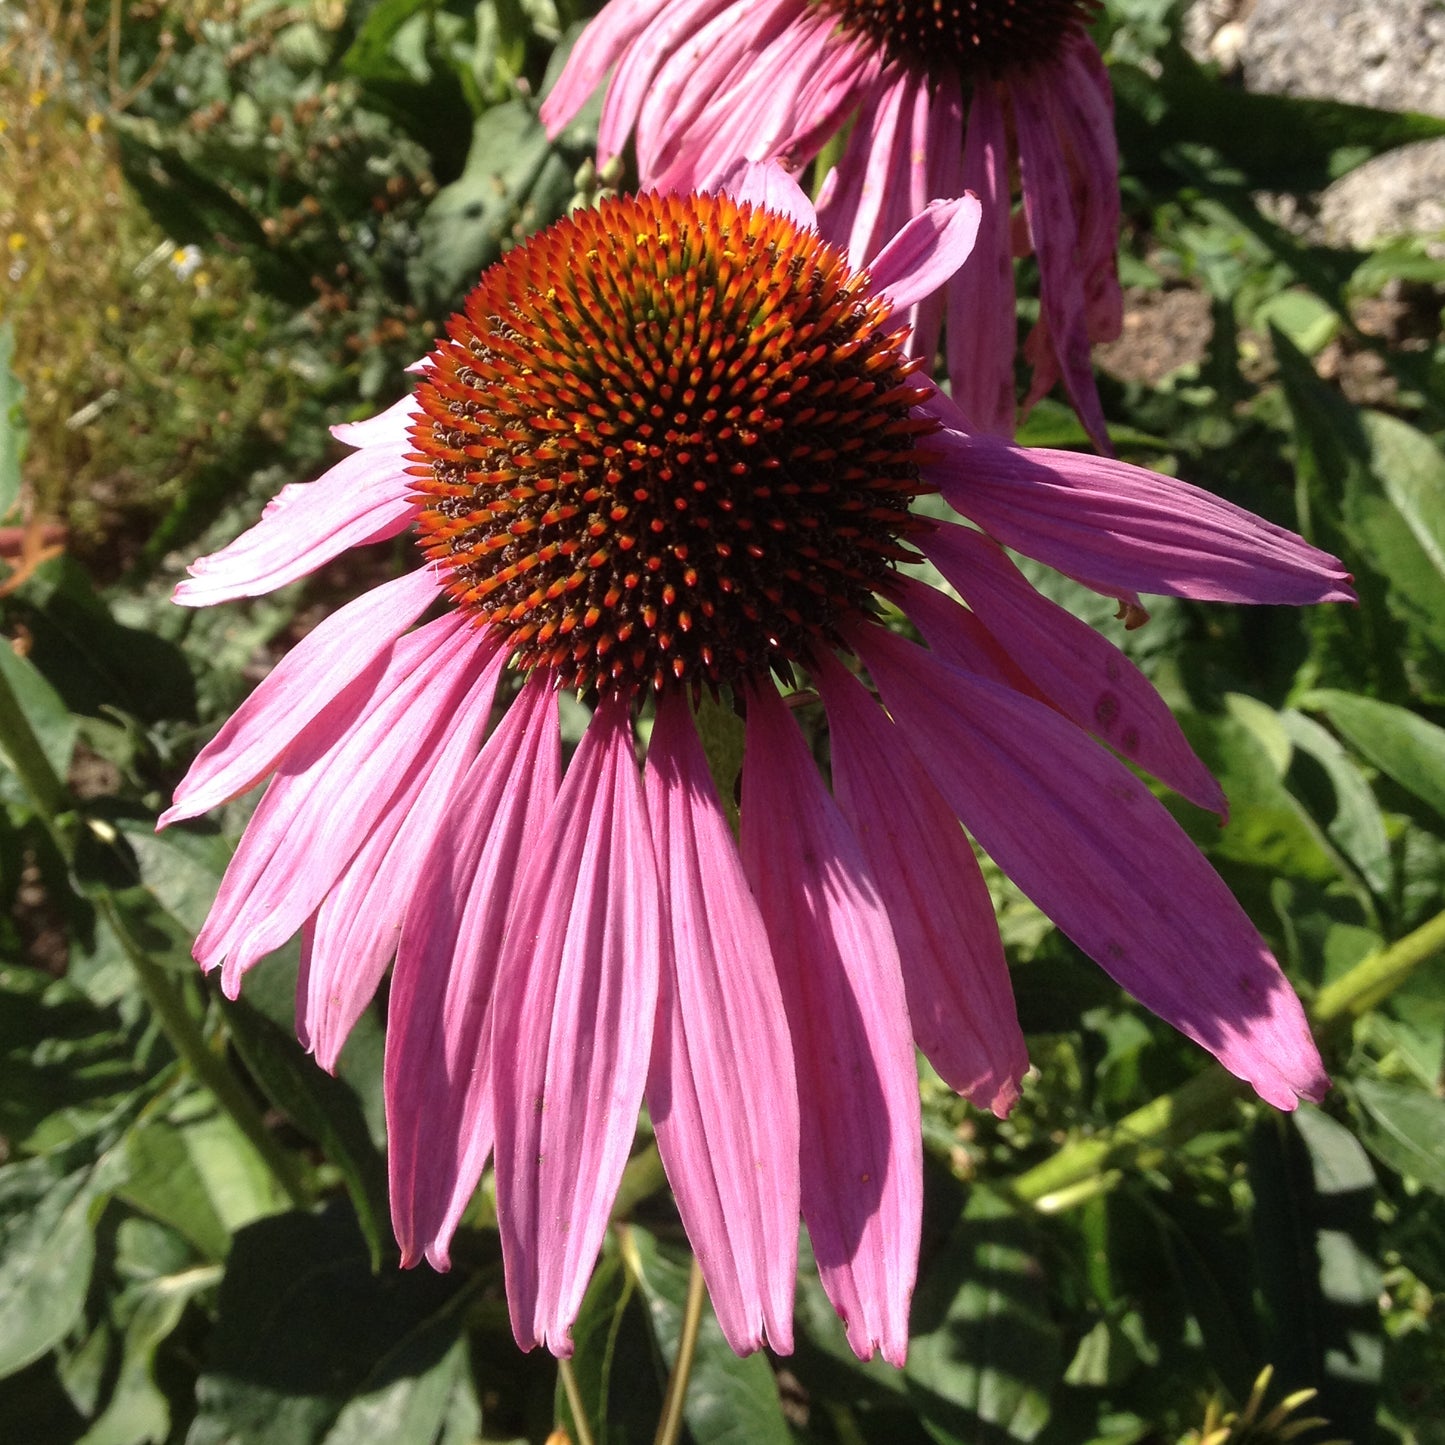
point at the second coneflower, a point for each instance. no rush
(666, 452)
(997, 97)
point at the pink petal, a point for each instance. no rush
(1112, 525)
(1083, 674)
(843, 990)
(388, 428)
(572, 1032)
(1098, 853)
(438, 1077)
(721, 1092)
(339, 781)
(1054, 228)
(958, 637)
(960, 999)
(364, 498)
(926, 252)
(354, 934)
(332, 668)
(595, 52)
(981, 322)
(768, 185)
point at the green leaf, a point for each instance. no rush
(1314, 1244)
(311, 1348)
(1276, 143)
(1404, 1127)
(13, 431)
(614, 1358)
(985, 1355)
(54, 729)
(1411, 470)
(1357, 827)
(198, 1175)
(730, 1401)
(514, 180)
(326, 1108)
(47, 1243)
(1402, 745)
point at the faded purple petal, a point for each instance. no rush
(1112, 525)
(960, 1000)
(1099, 854)
(1083, 674)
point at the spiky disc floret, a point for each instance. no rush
(669, 441)
(969, 35)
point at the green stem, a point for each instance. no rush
(574, 1403)
(641, 1179)
(1375, 978)
(26, 756)
(669, 1428)
(181, 1028)
(1077, 1171)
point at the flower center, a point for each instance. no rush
(668, 442)
(970, 35)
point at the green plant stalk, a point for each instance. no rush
(51, 800)
(1206, 1099)
(183, 1031)
(22, 748)
(669, 1428)
(574, 1402)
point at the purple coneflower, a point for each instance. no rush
(667, 453)
(942, 98)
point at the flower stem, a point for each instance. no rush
(669, 1428)
(1077, 1171)
(167, 1002)
(574, 1403)
(51, 801)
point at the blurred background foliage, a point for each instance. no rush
(226, 225)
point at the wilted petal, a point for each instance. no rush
(721, 1091)
(1112, 525)
(960, 1000)
(438, 1079)
(1099, 854)
(572, 1031)
(843, 990)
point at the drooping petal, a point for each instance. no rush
(1112, 525)
(335, 785)
(843, 990)
(721, 1091)
(1082, 673)
(981, 319)
(1054, 229)
(572, 1030)
(960, 1000)
(957, 636)
(927, 251)
(363, 498)
(330, 668)
(438, 1077)
(354, 933)
(767, 184)
(1099, 854)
